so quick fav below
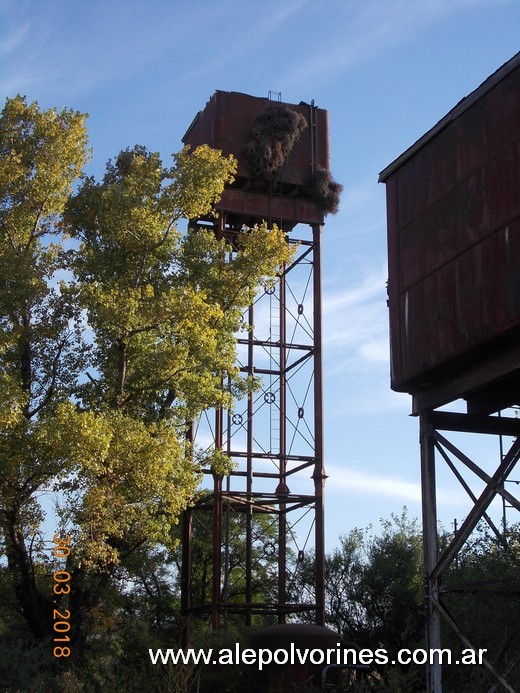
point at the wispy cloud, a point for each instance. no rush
(55, 48)
(379, 485)
(59, 48)
(262, 38)
(356, 323)
(282, 12)
(363, 29)
(11, 42)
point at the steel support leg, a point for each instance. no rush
(430, 540)
(319, 475)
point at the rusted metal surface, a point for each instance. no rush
(282, 489)
(247, 206)
(454, 244)
(186, 575)
(249, 469)
(226, 123)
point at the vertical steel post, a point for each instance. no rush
(227, 528)
(282, 489)
(430, 547)
(249, 472)
(319, 475)
(217, 531)
(216, 557)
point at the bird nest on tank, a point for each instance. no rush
(274, 134)
(324, 190)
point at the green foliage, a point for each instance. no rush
(116, 328)
(375, 598)
(197, 180)
(374, 595)
(42, 154)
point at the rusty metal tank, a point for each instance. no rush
(453, 207)
(232, 122)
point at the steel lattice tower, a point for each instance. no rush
(274, 436)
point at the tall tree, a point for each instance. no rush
(42, 154)
(115, 329)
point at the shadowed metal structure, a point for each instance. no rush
(454, 297)
(274, 496)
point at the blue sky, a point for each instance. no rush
(386, 70)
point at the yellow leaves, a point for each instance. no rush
(46, 152)
(124, 481)
(232, 277)
(147, 291)
(134, 223)
(219, 463)
(12, 402)
(262, 251)
(82, 438)
(134, 493)
(199, 178)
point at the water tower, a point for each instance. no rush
(453, 202)
(274, 495)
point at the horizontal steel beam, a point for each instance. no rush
(475, 423)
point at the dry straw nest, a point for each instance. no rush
(325, 191)
(274, 134)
